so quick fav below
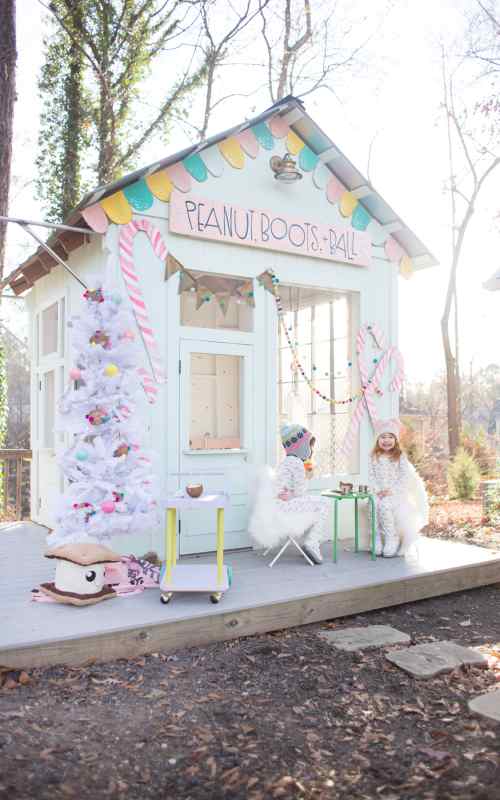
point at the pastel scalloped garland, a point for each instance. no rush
(232, 152)
(117, 208)
(95, 218)
(248, 142)
(334, 190)
(196, 167)
(393, 249)
(321, 176)
(180, 177)
(347, 204)
(263, 135)
(214, 162)
(278, 127)
(139, 195)
(294, 143)
(406, 267)
(160, 185)
(360, 218)
(307, 159)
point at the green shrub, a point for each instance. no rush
(476, 444)
(463, 476)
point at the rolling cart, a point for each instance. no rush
(214, 579)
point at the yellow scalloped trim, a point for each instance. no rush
(347, 204)
(406, 267)
(160, 185)
(232, 152)
(294, 143)
(117, 208)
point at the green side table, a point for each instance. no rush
(356, 497)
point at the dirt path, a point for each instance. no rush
(279, 715)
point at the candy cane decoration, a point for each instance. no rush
(370, 386)
(131, 279)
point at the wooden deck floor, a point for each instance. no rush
(261, 599)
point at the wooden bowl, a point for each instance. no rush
(194, 490)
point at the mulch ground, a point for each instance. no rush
(278, 715)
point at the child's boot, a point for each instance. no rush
(391, 545)
(311, 548)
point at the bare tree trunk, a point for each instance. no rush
(8, 58)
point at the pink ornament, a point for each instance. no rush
(108, 506)
(128, 335)
(75, 374)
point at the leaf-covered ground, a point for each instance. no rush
(278, 715)
(463, 521)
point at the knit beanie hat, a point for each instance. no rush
(297, 441)
(388, 426)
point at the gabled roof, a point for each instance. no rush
(293, 112)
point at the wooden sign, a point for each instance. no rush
(251, 227)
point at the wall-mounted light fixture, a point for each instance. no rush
(285, 168)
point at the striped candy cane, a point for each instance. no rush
(131, 279)
(370, 387)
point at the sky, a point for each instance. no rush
(392, 104)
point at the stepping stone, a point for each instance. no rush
(352, 639)
(429, 660)
(487, 705)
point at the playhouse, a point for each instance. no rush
(262, 269)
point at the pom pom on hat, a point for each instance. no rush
(388, 426)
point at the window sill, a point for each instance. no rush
(231, 452)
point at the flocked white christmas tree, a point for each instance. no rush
(111, 489)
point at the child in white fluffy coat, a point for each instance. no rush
(282, 505)
(402, 504)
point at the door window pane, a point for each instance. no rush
(215, 394)
(50, 330)
(49, 399)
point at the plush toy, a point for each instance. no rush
(79, 578)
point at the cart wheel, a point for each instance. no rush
(215, 598)
(166, 598)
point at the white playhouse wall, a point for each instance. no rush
(252, 187)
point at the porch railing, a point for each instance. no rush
(14, 483)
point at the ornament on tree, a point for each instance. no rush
(75, 374)
(99, 337)
(100, 418)
(94, 295)
(128, 336)
(111, 370)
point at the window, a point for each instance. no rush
(319, 324)
(215, 402)
(49, 400)
(239, 315)
(50, 329)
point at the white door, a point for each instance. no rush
(216, 436)
(49, 347)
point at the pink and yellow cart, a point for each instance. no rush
(214, 579)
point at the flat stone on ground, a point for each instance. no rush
(434, 658)
(487, 705)
(361, 638)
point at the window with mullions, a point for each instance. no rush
(320, 325)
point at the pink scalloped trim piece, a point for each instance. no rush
(334, 190)
(96, 218)
(180, 177)
(278, 127)
(248, 142)
(393, 250)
